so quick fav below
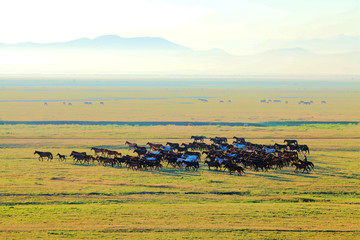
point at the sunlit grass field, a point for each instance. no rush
(178, 104)
(60, 200)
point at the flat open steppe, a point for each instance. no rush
(59, 200)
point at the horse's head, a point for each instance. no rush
(35, 152)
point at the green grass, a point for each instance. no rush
(62, 200)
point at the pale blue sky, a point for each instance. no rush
(238, 26)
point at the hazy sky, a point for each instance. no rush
(234, 25)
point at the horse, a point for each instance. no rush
(280, 146)
(181, 149)
(140, 148)
(304, 148)
(44, 154)
(61, 157)
(140, 151)
(98, 150)
(194, 165)
(173, 145)
(215, 164)
(233, 167)
(105, 160)
(305, 166)
(131, 145)
(290, 142)
(239, 140)
(198, 138)
(154, 146)
(112, 153)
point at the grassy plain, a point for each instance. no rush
(56, 200)
(178, 104)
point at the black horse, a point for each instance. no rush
(44, 154)
(239, 140)
(198, 138)
(304, 148)
(140, 151)
(61, 157)
(291, 142)
(280, 146)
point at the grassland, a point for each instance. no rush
(176, 104)
(56, 200)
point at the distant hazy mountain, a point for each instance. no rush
(106, 42)
(336, 44)
(112, 54)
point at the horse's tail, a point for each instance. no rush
(51, 156)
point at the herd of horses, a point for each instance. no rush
(218, 154)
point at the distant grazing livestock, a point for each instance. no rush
(88, 103)
(101, 103)
(70, 104)
(45, 103)
(323, 102)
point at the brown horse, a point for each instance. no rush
(112, 153)
(305, 166)
(98, 150)
(154, 146)
(233, 167)
(131, 145)
(44, 154)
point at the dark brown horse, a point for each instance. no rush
(239, 140)
(98, 150)
(305, 166)
(154, 146)
(214, 164)
(44, 154)
(112, 153)
(131, 145)
(61, 157)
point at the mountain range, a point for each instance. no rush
(112, 54)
